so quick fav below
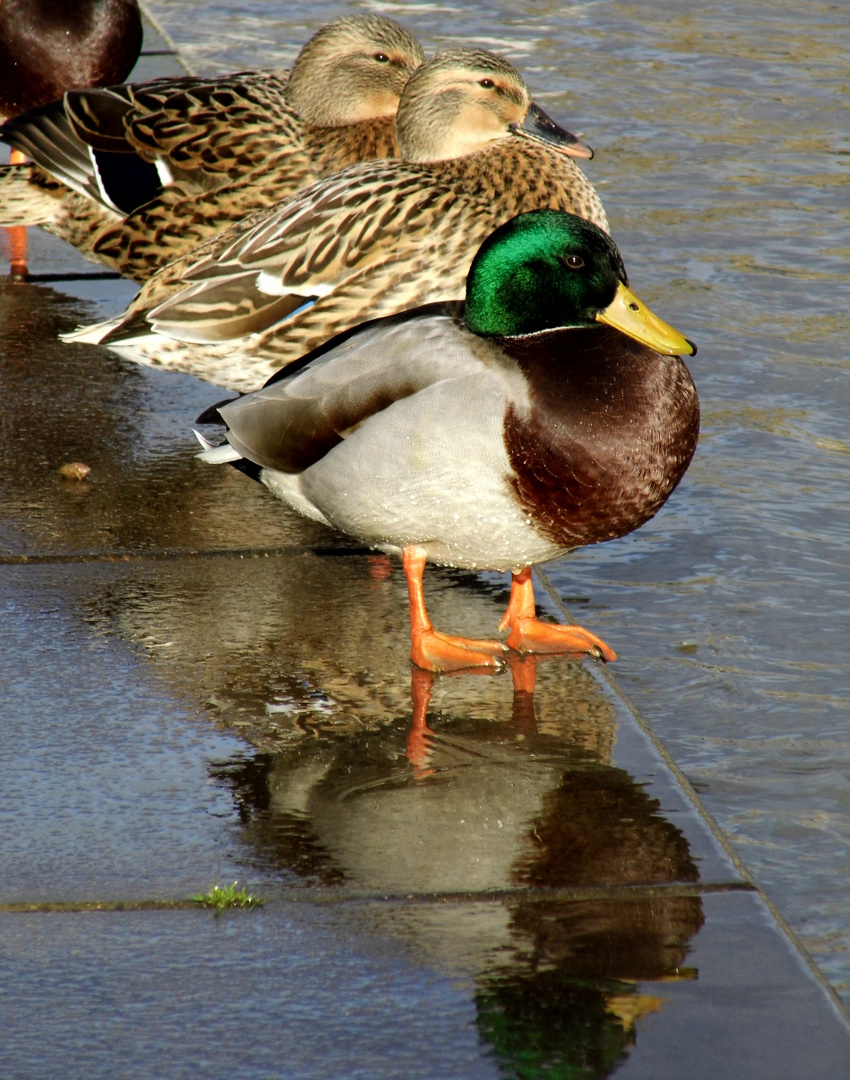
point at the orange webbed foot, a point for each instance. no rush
(529, 635)
(434, 651)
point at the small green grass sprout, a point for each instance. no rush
(227, 896)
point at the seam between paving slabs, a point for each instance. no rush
(173, 554)
(321, 896)
(166, 37)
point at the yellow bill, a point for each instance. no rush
(627, 313)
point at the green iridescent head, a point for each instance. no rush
(548, 269)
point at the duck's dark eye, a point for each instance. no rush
(488, 84)
(574, 262)
(382, 58)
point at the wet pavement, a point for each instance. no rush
(469, 876)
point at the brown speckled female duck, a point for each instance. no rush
(135, 175)
(373, 240)
(550, 411)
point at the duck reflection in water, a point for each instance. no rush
(535, 862)
(524, 721)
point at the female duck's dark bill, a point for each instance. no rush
(542, 128)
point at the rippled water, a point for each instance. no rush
(721, 146)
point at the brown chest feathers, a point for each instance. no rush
(611, 429)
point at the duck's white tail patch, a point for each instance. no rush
(216, 455)
(94, 333)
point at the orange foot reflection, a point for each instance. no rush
(419, 739)
(524, 675)
(419, 736)
(380, 567)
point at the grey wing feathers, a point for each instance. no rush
(292, 423)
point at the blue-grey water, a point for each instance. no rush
(722, 151)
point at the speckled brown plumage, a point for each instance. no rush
(370, 241)
(231, 145)
(435, 232)
(205, 129)
(146, 240)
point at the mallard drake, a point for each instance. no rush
(550, 411)
(49, 46)
(370, 241)
(136, 175)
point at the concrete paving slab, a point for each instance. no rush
(106, 793)
(754, 1010)
(304, 990)
(131, 425)
(284, 993)
(119, 669)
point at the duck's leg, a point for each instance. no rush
(432, 650)
(530, 635)
(17, 233)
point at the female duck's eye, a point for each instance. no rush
(574, 262)
(488, 84)
(382, 58)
